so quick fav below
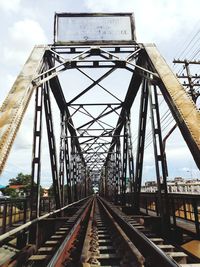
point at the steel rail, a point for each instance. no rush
(60, 254)
(139, 259)
(156, 257)
(86, 244)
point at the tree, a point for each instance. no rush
(20, 179)
(10, 192)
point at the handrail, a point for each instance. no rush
(28, 224)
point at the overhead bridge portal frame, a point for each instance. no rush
(97, 150)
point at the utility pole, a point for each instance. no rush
(192, 80)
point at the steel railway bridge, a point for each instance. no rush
(119, 225)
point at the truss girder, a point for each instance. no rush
(15, 104)
(182, 107)
(96, 143)
(79, 62)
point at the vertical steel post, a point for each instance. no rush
(52, 145)
(36, 163)
(112, 176)
(173, 211)
(36, 158)
(62, 157)
(11, 213)
(130, 155)
(124, 164)
(163, 201)
(73, 170)
(4, 213)
(117, 175)
(85, 180)
(102, 182)
(196, 217)
(106, 180)
(75, 174)
(79, 189)
(140, 145)
(67, 163)
(25, 211)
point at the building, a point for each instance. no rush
(177, 185)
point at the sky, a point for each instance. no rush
(167, 23)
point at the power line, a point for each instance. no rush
(191, 37)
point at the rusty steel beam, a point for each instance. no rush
(182, 107)
(52, 145)
(141, 143)
(62, 104)
(132, 91)
(13, 108)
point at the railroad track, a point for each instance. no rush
(156, 250)
(92, 238)
(52, 231)
(100, 234)
(56, 250)
(106, 244)
(108, 237)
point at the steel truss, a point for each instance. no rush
(98, 148)
(87, 152)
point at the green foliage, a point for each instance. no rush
(10, 192)
(21, 179)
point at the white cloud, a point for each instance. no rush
(24, 34)
(156, 20)
(101, 5)
(10, 5)
(27, 32)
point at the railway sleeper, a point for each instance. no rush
(180, 257)
(106, 244)
(50, 246)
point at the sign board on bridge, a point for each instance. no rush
(115, 28)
